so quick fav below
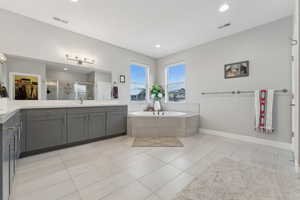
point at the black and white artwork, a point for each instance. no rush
(237, 70)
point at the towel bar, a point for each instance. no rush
(240, 92)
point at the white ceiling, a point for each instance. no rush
(139, 25)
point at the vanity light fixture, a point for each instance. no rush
(80, 61)
(3, 58)
(224, 7)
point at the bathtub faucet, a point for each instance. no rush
(160, 112)
(156, 112)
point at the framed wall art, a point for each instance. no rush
(236, 70)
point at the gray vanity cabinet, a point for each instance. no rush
(10, 138)
(78, 127)
(116, 122)
(45, 128)
(97, 125)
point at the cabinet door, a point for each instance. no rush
(77, 127)
(116, 122)
(23, 132)
(45, 132)
(97, 125)
(11, 162)
(18, 142)
(6, 167)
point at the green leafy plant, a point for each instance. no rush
(157, 92)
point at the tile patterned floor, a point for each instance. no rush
(112, 169)
(228, 179)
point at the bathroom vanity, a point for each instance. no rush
(51, 128)
(27, 131)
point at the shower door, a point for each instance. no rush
(84, 90)
(66, 90)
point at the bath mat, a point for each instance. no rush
(232, 180)
(157, 142)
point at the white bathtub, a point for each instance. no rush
(168, 123)
(161, 114)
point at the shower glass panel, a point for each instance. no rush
(84, 90)
(65, 90)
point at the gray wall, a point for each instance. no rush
(28, 66)
(268, 49)
(22, 36)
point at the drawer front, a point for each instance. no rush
(87, 110)
(79, 110)
(45, 113)
(116, 109)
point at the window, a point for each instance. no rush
(138, 82)
(175, 83)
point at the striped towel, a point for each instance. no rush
(264, 110)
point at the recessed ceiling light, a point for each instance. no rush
(74, 1)
(157, 46)
(224, 7)
(66, 69)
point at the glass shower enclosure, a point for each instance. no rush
(65, 90)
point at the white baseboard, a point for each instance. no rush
(281, 145)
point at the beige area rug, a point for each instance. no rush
(231, 180)
(157, 142)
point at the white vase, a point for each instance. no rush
(157, 106)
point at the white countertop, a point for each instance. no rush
(9, 108)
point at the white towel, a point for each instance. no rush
(264, 100)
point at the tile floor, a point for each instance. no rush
(113, 170)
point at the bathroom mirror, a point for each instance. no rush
(30, 79)
(69, 83)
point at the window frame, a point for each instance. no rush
(166, 82)
(146, 66)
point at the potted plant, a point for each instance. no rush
(157, 93)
